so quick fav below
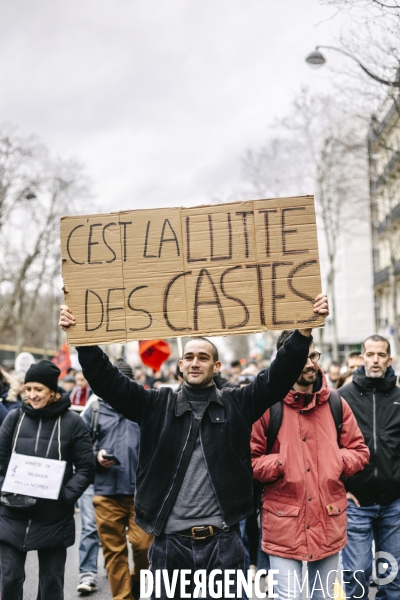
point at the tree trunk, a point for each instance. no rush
(19, 328)
(332, 300)
(393, 304)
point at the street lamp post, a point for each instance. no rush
(317, 59)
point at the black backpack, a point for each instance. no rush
(276, 412)
(94, 420)
(276, 416)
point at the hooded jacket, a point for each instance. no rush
(304, 499)
(375, 403)
(51, 523)
(119, 437)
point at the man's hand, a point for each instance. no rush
(67, 319)
(103, 461)
(321, 307)
(350, 496)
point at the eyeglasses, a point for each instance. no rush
(314, 357)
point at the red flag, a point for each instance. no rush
(62, 360)
(154, 352)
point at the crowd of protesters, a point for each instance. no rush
(325, 466)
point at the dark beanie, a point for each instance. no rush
(123, 366)
(44, 372)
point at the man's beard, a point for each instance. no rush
(375, 374)
(307, 377)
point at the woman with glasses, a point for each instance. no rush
(301, 449)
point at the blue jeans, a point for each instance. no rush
(320, 576)
(381, 523)
(223, 551)
(89, 542)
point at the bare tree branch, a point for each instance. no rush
(29, 241)
(323, 149)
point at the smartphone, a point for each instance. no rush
(111, 457)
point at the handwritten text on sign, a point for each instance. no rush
(208, 270)
(33, 476)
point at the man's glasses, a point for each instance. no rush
(314, 357)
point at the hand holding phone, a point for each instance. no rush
(111, 457)
(107, 459)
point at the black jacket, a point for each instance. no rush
(52, 522)
(119, 437)
(168, 431)
(7, 405)
(222, 383)
(376, 406)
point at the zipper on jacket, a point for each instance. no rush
(212, 485)
(38, 435)
(374, 431)
(173, 481)
(26, 535)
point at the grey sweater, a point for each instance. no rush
(196, 503)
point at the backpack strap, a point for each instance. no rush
(276, 416)
(336, 406)
(94, 420)
(275, 422)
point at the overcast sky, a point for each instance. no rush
(158, 99)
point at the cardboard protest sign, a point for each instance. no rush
(209, 270)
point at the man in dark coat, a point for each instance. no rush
(194, 479)
(374, 493)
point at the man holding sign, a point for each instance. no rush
(194, 479)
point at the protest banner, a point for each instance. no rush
(208, 270)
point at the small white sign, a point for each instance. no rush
(34, 476)
(23, 361)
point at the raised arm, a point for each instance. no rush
(124, 395)
(273, 384)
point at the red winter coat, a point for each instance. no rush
(304, 500)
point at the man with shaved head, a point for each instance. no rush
(194, 478)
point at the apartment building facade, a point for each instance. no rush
(384, 164)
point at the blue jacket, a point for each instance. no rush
(120, 437)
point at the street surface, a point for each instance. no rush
(72, 575)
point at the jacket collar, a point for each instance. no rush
(51, 411)
(182, 402)
(319, 394)
(382, 384)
